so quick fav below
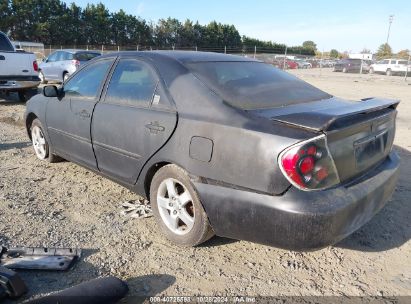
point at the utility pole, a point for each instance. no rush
(390, 19)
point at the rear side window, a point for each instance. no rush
(87, 82)
(133, 83)
(5, 45)
(393, 61)
(85, 56)
(402, 62)
(255, 85)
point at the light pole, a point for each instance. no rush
(390, 19)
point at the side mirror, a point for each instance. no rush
(50, 91)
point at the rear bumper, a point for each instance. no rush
(19, 83)
(299, 220)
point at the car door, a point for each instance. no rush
(134, 120)
(47, 66)
(60, 65)
(68, 118)
(383, 66)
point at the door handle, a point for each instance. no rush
(155, 127)
(84, 114)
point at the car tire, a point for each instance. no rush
(42, 148)
(388, 72)
(177, 207)
(22, 96)
(65, 76)
(371, 71)
(42, 78)
(344, 70)
(26, 94)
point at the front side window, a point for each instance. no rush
(393, 61)
(60, 56)
(68, 56)
(255, 85)
(87, 82)
(133, 83)
(52, 57)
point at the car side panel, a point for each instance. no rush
(244, 147)
(122, 140)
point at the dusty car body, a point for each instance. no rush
(256, 153)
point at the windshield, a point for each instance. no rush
(255, 85)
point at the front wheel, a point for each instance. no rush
(389, 72)
(40, 144)
(344, 70)
(371, 71)
(177, 207)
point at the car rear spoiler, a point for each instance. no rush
(327, 114)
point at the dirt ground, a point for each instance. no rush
(63, 204)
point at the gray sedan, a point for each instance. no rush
(59, 65)
(223, 145)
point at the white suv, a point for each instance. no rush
(390, 67)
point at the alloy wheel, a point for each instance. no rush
(175, 206)
(39, 142)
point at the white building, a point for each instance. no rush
(367, 56)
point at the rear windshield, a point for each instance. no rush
(5, 44)
(254, 85)
(85, 56)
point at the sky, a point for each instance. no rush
(344, 25)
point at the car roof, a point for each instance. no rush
(172, 64)
(186, 56)
(73, 51)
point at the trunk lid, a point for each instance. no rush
(359, 134)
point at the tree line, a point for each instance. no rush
(53, 22)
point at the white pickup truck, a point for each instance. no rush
(391, 67)
(18, 70)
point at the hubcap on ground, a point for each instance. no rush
(175, 206)
(39, 142)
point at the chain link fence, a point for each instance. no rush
(277, 57)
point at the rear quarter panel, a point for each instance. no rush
(244, 149)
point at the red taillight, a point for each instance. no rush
(35, 66)
(309, 165)
(306, 165)
(75, 62)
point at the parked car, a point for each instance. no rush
(59, 65)
(223, 145)
(352, 65)
(18, 70)
(302, 64)
(290, 65)
(391, 67)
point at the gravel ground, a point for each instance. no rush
(63, 204)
